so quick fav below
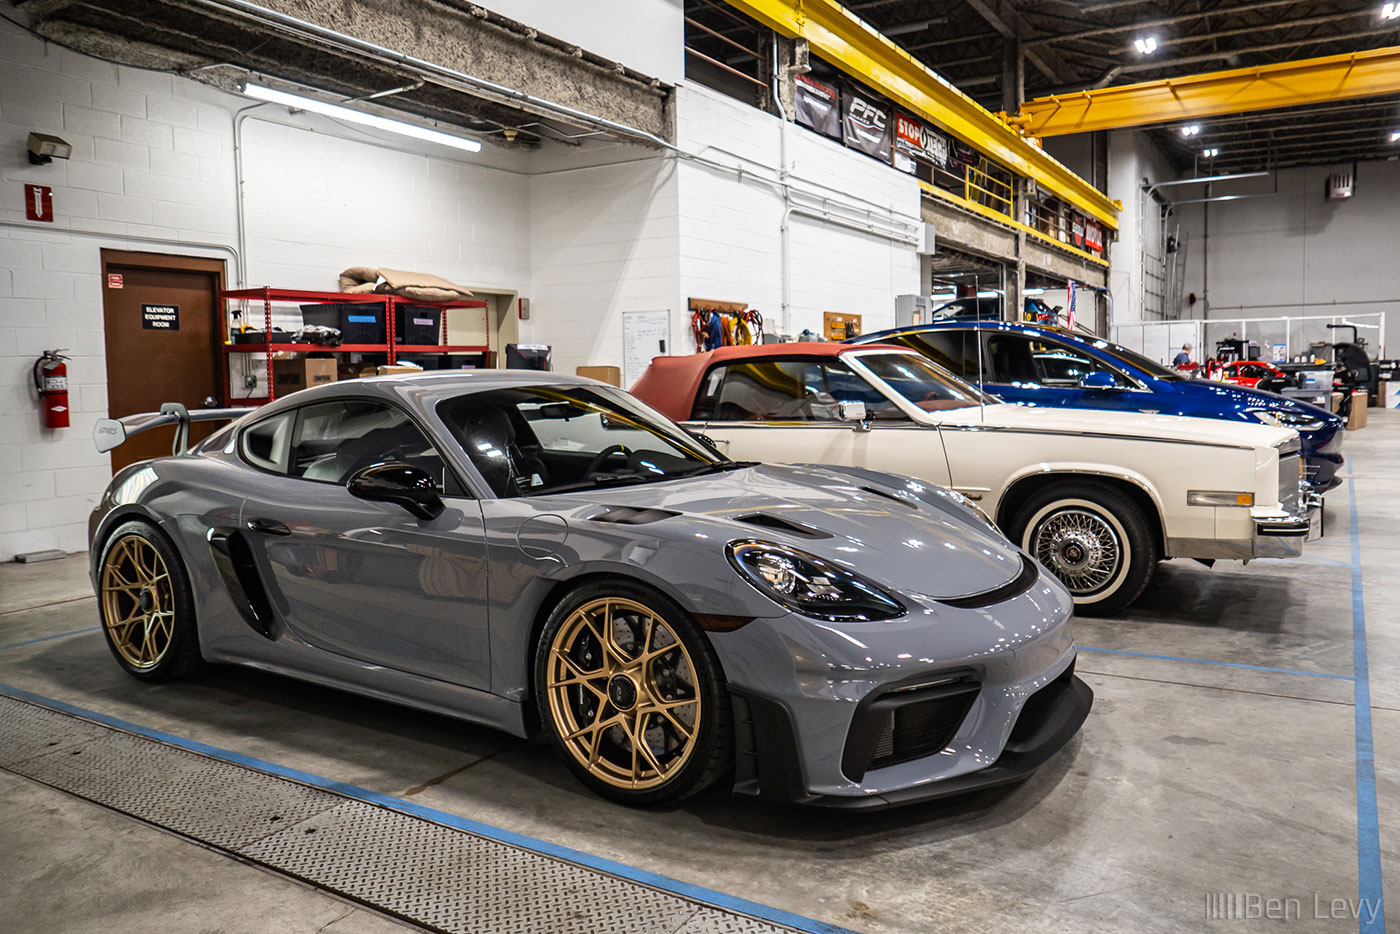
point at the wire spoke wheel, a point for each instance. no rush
(1079, 547)
(138, 602)
(623, 693)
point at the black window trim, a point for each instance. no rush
(452, 480)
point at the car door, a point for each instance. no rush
(361, 579)
(786, 410)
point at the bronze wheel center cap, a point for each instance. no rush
(622, 692)
(146, 600)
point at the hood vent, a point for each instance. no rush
(631, 515)
(766, 521)
(890, 496)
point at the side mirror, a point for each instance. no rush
(1098, 379)
(854, 412)
(401, 484)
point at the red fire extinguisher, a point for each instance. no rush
(51, 380)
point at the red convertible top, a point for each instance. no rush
(670, 383)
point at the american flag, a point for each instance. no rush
(1071, 303)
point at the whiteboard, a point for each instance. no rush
(645, 334)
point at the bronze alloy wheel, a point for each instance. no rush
(138, 602)
(623, 693)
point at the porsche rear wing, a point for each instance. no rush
(109, 433)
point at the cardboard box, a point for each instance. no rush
(299, 372)
(612, 375)
(1358, 411)
(387, 370)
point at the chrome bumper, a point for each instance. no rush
(1282, 537)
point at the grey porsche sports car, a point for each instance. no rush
(533, 551)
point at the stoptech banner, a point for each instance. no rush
(818, 106)
(919, 141)
(866, 126)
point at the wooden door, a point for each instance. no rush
(163, 335)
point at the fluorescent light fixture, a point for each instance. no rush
(1210, 153)
(1390, 11)
(987, 294)
(1032, 291)
(908, 28)
(1395, 137)
(1191, 130)
(1146, 45)
(274, 96)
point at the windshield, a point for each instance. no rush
(547, 439)
(922, 382)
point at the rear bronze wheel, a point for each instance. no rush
(145, 603)
(631, 695)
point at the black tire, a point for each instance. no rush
(683, 674)
(146, 605)
(1094, 538)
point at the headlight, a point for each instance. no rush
(1295, 420)
(808, 585)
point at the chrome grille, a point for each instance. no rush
(1289, 482)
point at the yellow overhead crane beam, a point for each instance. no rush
(838, 36)
(1288, 84)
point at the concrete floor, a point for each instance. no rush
(1189, 778)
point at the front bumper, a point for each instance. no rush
(1280, 538)
(940, 701)
(771, 768)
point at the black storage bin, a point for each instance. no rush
(417, 325)
(359, 322)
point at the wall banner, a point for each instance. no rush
(866, 126)
(818, 106)
(914, 139)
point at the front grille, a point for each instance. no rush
(921, 728)
(1289, 478)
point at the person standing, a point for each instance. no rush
(1183, 358)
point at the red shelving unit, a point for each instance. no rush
(391, 348)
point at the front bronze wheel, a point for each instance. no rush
(145, 604)
(631, 695)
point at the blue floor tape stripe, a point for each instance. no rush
(1207, 661)
(61, 635)
(664, 883)
(1370, 889)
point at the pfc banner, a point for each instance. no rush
(915, 141)
(818, 106)
(866, 126)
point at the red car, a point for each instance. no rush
(1250, 372)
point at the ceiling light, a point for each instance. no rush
(1395, 137)
(1210, 153)
(905, 29)
(1146, 45)
(1390, 11)
(297, 102)
(1191, 130)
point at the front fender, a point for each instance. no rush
(1072, 469)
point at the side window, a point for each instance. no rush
(1062, 366)
(264, 444)
(795, 391)
(948, 348)
(333, 440)
(1010, 359)
(705, 399)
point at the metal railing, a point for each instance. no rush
(987, 190)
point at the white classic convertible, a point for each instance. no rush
(1097, 497)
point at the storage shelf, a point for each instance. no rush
(356, 348)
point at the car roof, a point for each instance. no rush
(670, 383)
(1059, 330)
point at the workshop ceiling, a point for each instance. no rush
(1071, 45)
(1075, 44)
(212, 42)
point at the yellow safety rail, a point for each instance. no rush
(1288, 84)
(843, 39)
(988, 191)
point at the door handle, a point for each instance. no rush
(267, 527)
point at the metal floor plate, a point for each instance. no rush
(443, 878)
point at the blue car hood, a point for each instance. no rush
(1230, 395)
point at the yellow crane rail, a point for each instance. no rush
(1288, 84)
(843, 39)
